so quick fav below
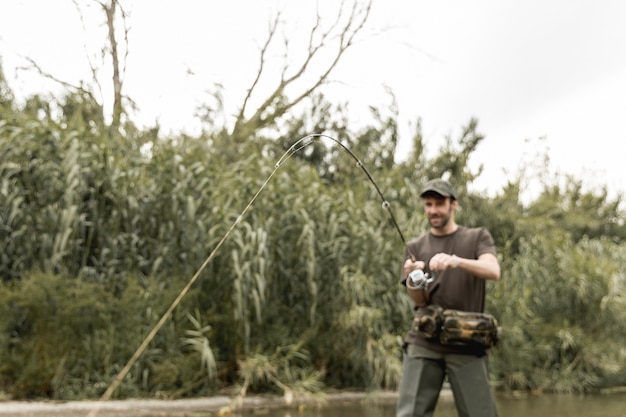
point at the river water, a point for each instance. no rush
(609, 405)
(341, 405)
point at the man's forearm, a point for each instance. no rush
(485, 267)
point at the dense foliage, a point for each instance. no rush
(101, 230)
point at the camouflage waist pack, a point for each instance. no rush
(454, 327)
(428, 320)
(467, 328)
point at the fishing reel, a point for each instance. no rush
(420, 279)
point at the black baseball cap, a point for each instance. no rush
(439, 186)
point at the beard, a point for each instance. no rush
(440, 221)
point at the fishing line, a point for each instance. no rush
(297, 146)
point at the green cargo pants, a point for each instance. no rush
(423, 373)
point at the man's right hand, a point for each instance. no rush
(410, 266)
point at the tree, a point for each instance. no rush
(110, 50)
(340, 35)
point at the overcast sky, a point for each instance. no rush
(539, 75)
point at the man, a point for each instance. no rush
(461, 259)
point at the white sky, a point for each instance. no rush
(539, 75)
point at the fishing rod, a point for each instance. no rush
(311, 138)
(293, 149)
(418, 277)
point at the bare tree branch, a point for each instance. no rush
(275, 104)
(118, 69)
(240, 117)
(346, 39)
(45, 74)
(118, 108)
(93, 69)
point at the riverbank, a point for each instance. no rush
(196, 407)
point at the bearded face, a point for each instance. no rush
(439, 211)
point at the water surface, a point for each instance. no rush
(609, 405)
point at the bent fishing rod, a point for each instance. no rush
(309, 139)
(293, 149)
